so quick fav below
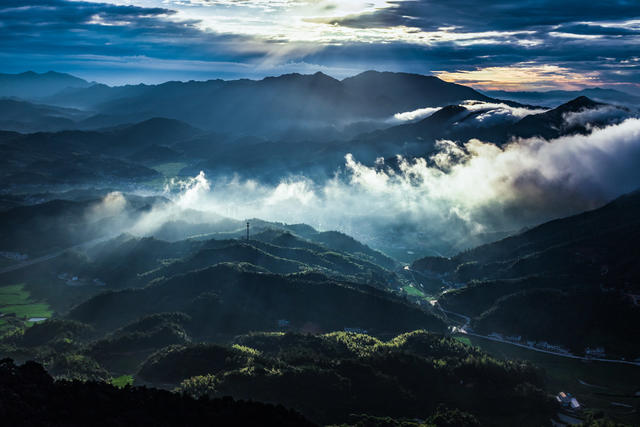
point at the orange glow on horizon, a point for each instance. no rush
(522, 77)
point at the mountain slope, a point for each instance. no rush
(554, 123)
(555, 97)
(30, 85)
(463, 122)
(387, 93)
(598, 235)
(274, 105)
(595, 245)
(566, 281)
(227, 299)
(76, 156)
(22, 116)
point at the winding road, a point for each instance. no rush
(464, 330)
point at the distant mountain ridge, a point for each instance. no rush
(22, 116)
(566, 281)
(556, 97)
(458, 123)
(282, 105)
(31, 85)
(159, 140)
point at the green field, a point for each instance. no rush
(16, 299)
(596, 385)
(413, 291)
(122, 381)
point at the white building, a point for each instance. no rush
(568, 401)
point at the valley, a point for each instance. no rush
(409, 251)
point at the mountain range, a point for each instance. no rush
(131, 151)
(290, 105)
(31, 85)
(120, 274)
(555, 97)
(574, 273)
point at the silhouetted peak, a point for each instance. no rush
(446, 113)
(580, 103)
(373, 75)
(297, 78)
(48, 74)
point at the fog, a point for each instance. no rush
(435, 204)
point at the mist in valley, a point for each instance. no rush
(438, 204)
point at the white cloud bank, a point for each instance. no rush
(461, 190)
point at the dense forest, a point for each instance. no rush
(324, 377)
(32, 397)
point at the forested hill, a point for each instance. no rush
(583, 245)
(567, 281)
(231, 299)
(30, 397)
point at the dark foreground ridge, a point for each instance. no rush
(30, 397)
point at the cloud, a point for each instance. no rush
(410, 116)
(490, 112)
(589, 44)
(439, 202)
(605, 115)
(80, 35)
(113, 204)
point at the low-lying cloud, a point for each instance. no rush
(436, 203)
(411, 116)
(490, 114)
(607, 114)
(114, 203)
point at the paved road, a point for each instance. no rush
(464, 330)
(52, 255)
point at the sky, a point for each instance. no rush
(501, 44)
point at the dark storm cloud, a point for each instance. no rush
(578, 35)
(57, 29)
(583, 37)
(599, 55)
(497, 15)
